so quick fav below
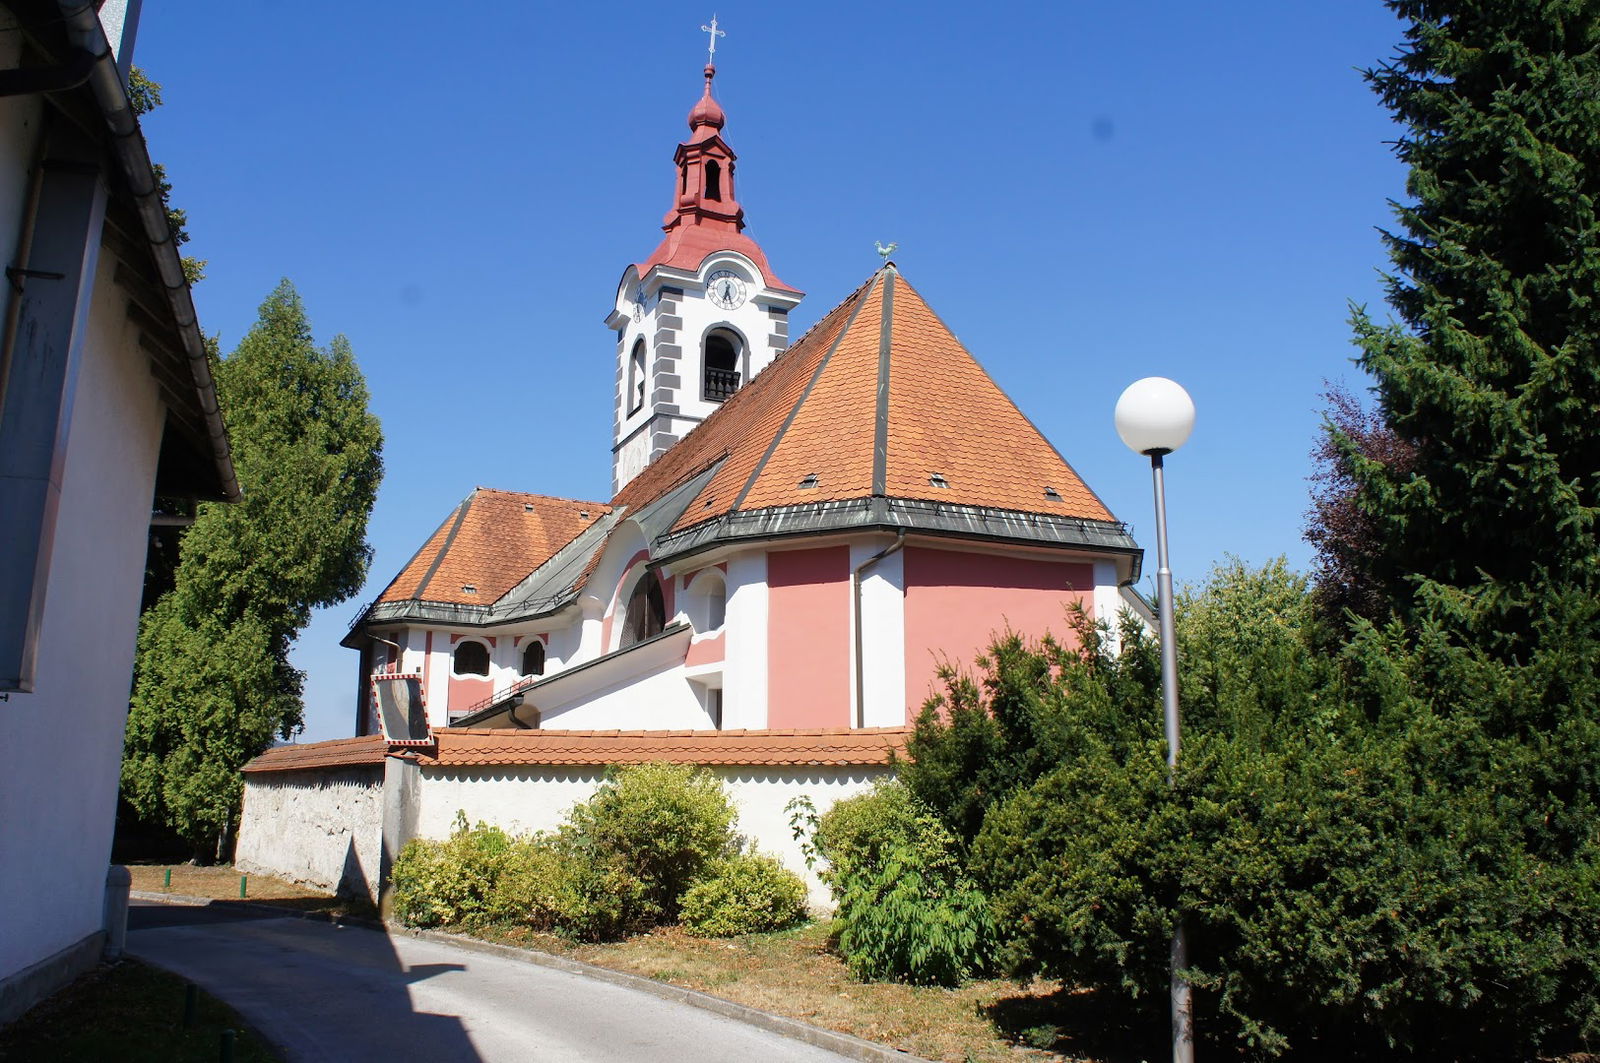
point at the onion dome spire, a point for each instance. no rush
(707, 112)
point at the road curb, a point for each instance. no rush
(841, 1043)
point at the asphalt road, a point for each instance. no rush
(323, 992)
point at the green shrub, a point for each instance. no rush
(450, 882)
(907, 910)
(554, 883)
(652, 830)
(1394, 853)
(747, 893)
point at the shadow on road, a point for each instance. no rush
(315, 989)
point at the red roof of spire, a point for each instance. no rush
(706, 216)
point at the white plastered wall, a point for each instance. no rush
(1107, 599)
(883, 636)
(63, 743)
(522, 799)
(744, 684)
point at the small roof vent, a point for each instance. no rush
(527, 507)
(1052, 494)
(583, 514)
(809, 481)
(469, 588)
(937, 479)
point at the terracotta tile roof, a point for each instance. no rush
(463, 748)
(877, 400)
(490, 542)
(339, 753)
(820, 408)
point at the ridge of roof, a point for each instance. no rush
(788, 421)
(996, 384)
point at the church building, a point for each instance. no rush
(800, 532)
(798, 535)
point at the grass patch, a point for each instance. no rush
(222, 884)
(130, 1013)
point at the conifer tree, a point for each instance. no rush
(1490, 380)
(213, 682)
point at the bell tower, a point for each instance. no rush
(703, 314)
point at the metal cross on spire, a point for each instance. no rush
(711, 59)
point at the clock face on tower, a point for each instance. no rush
(725, 289)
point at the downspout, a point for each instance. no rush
(855, 598)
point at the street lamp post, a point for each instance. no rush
(1154, 417)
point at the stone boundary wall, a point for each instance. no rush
(321, 827)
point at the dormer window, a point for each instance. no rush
(636, 378)
(722, 356)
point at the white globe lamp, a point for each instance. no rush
(1155, 416)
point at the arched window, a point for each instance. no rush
(471, 658)
(533, 658)
(647, 611)
(721, 361)
(636, 378)
(713, 179)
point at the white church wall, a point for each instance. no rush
(883, 636)
(661, 701)
(59, 788)
(322, 829)
(744, 691)
(1107, 598)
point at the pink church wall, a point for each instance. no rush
(956, 601)
(808, 637)
(706, 651)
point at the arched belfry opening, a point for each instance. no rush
(722, 358)
(636, 378)
(713, 179)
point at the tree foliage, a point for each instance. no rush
(1391, 852)
(213, 683)
(144, 96)
(1489, 377)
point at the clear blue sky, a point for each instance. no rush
(1086, 195)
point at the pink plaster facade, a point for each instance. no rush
(808, 637)
(956, 601)
(706, 651)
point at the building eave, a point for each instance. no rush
(895, 515)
